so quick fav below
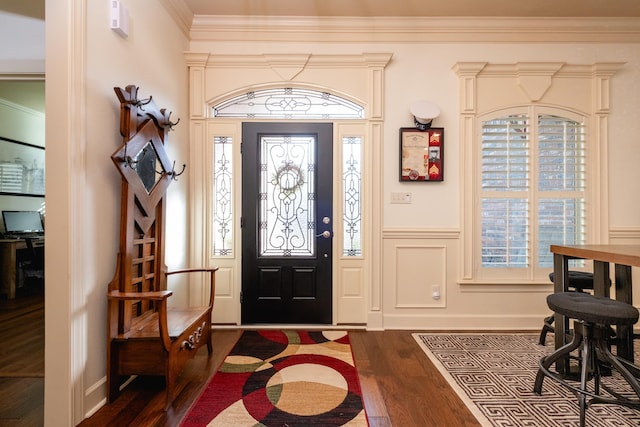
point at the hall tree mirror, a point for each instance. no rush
(22, 119)
(148, 167)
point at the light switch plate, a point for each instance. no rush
(403, 197)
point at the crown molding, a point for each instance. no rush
(13, 106)
(371, 59)
(415, 29)
(21, 76)
(180, 13)
(519, 69)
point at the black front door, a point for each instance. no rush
(287, 222)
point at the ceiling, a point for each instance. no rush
(371, 8)
(30, 8)
(418, 8)
(20, 18)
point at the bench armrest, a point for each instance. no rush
(212, 280)
(161, 297)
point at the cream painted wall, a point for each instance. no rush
(85, 61)
(151, 59)
(21, 123)
(428, 228)
(424, 71)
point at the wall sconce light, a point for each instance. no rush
(423, 114)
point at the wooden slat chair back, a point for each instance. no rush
(145, 335)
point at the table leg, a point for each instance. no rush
(602, 287)
(624, 293)
(560, 284)
(601, 279)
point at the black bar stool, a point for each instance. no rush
(579, 281)
(593, 317)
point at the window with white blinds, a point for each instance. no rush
(532, 188)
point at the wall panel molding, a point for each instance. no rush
(628, 235)
(420, 233)
(418, 268)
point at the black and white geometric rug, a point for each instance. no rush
(494, 375)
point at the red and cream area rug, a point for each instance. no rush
(283, 378)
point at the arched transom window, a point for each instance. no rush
(288, 103)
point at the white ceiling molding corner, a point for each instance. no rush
(180, 13)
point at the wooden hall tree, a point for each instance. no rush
(145, 336)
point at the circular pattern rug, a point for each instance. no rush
(277, 378)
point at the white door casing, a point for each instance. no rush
(359, 78)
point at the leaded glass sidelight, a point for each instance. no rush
(223, 196)
(351, 187)
(287, 196)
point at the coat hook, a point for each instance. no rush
(128, 160)
(171, 124)
(173, 174)
(142, 102)
(167, 119)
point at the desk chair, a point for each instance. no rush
(31, 266)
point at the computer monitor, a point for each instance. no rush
(22, 222)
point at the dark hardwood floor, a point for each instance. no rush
(400, 385)
(22, 361)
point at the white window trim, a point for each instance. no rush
(539, 82)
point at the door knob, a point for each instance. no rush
(326, 234)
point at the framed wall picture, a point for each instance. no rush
(421, 155)
(21, 168)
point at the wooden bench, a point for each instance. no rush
(144, 335)
(160, 340)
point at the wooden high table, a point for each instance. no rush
(623, 257)
(8, 266)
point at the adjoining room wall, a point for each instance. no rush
(20, 123)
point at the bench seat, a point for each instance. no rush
(178, 320)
